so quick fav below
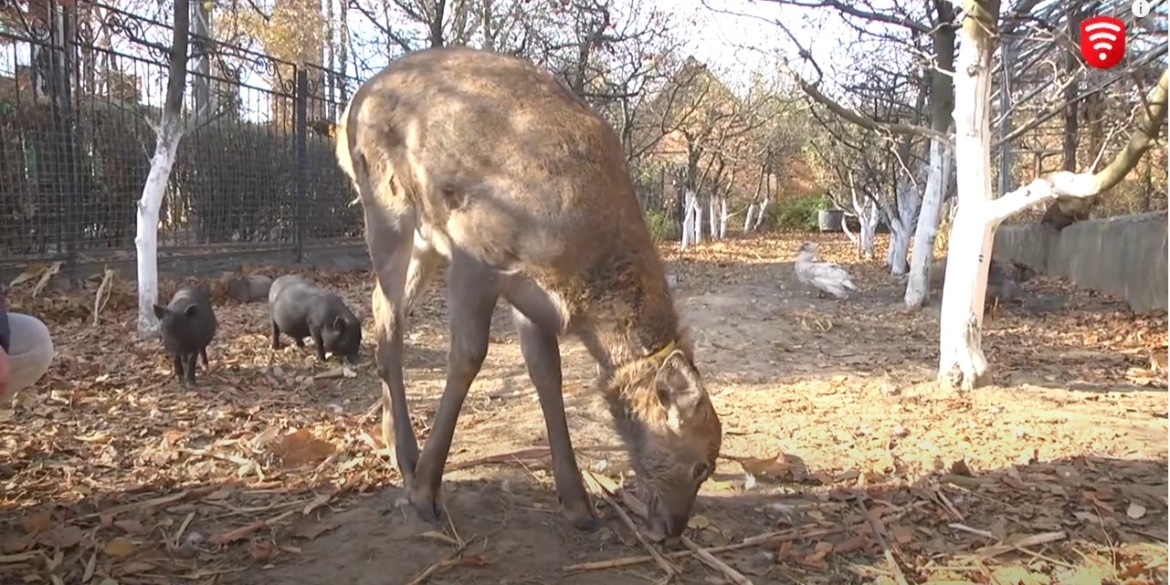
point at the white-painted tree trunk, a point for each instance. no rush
(868, 215)
(713, 217)
(902, 230)
(698, 220)
(961, 360)
(170, 131)
(937, 181)
(724, 217)
(849, 233)
(893, 225)
(761, 213)
(962, 363)
(688, 231)
(747, 218)
(899, 251)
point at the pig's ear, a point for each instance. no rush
(339, 323)
(189, 311)
(159, 311)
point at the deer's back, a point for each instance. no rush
(500, 160)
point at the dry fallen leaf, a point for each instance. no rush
(765, 465)
(848, 475)
(1135, 511)
(118, 547)
(716, 486)
(1017, 575)
(130, 526)
(37, 523)
(317, 502)
(301, 447)
(14, 544)
(698, 522)
(134, 567)
(260, 550)
(219, 494)
(851, 544)
(20, 558)
(263, 439)
(902, 534)
(239, 533)
(339, 372)
(785, 551)
(309, 529)
(782, 466)
(62, 537)
(817, 558)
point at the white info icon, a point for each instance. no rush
(1141, 8)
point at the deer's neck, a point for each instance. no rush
(632, 333)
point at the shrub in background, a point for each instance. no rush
(660, 225)
(797, 214)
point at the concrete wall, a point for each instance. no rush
(1123, 256)
(330, 257)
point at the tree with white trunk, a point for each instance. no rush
(866, 174)
(867, 212)
(924, 32)
(929, 23)
(937, 181)
(713, 216)
(724, 216)
(692, 220)
(168, 133)
(962, 363)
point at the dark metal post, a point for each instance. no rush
(302, 159)
(1005, 125)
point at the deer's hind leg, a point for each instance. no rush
(423, 263)
(472, 292)
(390, 239)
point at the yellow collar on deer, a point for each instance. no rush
(665, 351)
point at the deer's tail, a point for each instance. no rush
(340, 137)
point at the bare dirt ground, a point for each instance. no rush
(837, 446)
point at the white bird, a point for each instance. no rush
(827, 277)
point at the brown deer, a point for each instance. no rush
(486, 161)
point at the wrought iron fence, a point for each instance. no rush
(81, 90)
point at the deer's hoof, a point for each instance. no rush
(586, 522)
(426, 507)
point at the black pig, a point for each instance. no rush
(187, 325)
(301, 309)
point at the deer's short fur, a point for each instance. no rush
(486, 161)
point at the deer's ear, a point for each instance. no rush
(679, 389)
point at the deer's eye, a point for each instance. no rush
(701, 471)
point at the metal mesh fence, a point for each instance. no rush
(1060, 113)
(81, 89)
